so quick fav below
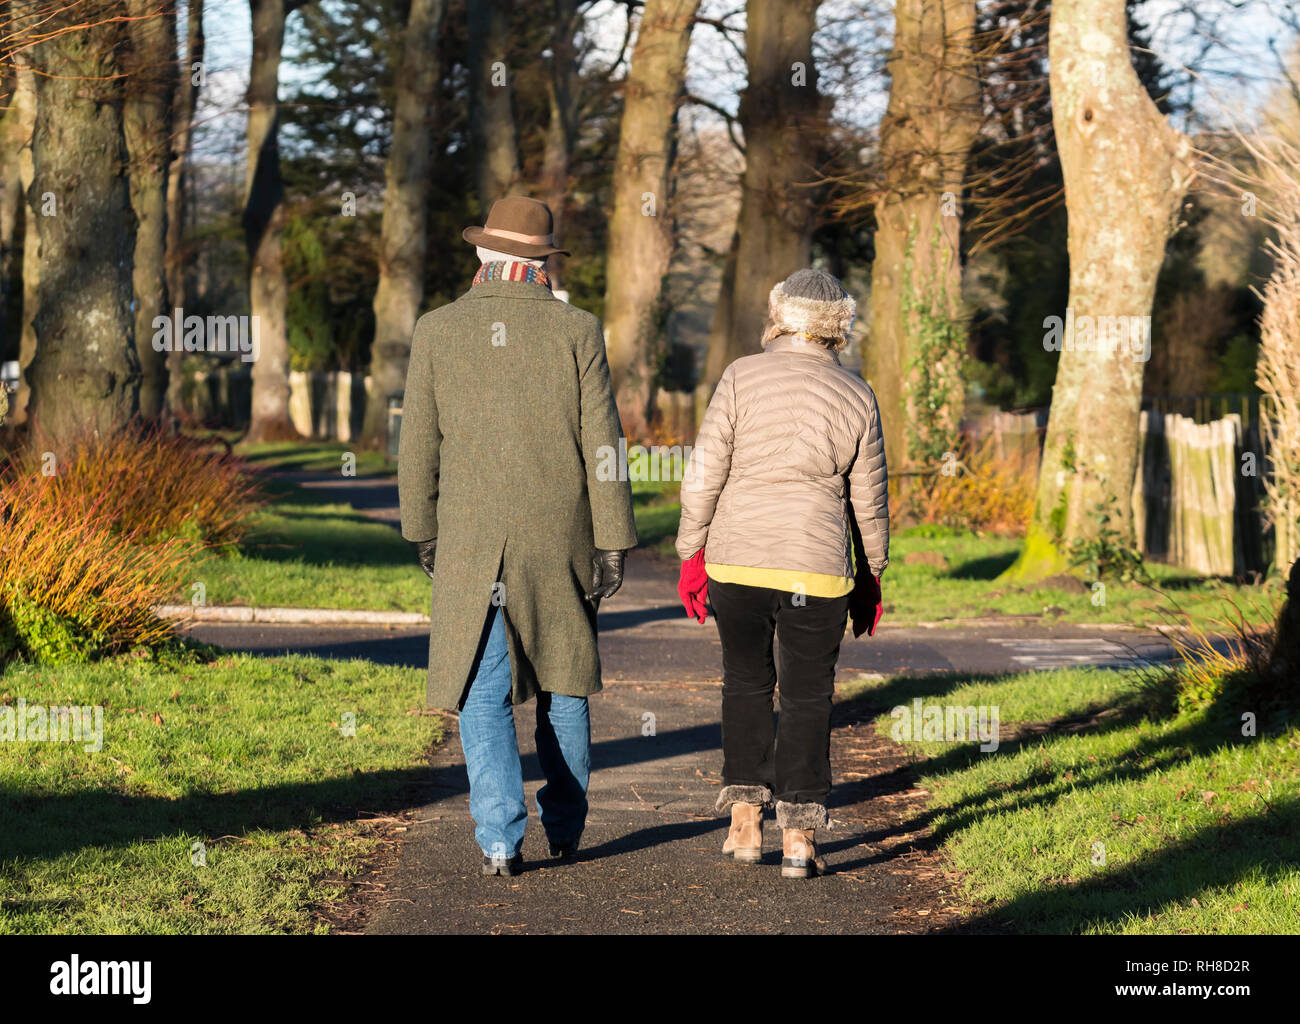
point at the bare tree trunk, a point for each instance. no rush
(1126, 170)
(561, 129)
(85, 375)
(719, 355)
(16, 217)
(12, 139)
(25, 106)
(782, 117)
(641, 234)
(151, 86)
(187, 98)
(402, 234)
(264, 216)
(491, 115)
(914, 353)
(14, 135)
(556, 152)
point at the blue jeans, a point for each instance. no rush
(496, 778)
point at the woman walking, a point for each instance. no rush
(785, 530)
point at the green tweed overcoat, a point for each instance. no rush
(507, 414)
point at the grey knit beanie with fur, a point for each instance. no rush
(811, 302)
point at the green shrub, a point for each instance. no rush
(10, 644)
(1106, 554)
(47, 637)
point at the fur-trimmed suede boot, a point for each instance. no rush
(799, 854)
(745, 838)
(798, 848)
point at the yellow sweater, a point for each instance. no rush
(814, 584)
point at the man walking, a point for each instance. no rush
(507, 413)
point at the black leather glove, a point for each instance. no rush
(606, 574)
(424, 551)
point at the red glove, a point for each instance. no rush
(865, 604)
(693, 587)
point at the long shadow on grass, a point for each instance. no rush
(361, 492)
(1156, 752)
(312, 462)
(1211, 858)
(370, 495)
(1153, 753)
(865, 710)
(313, 532)
(315, 542)
(901, 690)
(1178, 871)
(49, 824)
(989, 567)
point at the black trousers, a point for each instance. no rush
(792, 757)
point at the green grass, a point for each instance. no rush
(245, 755)
(657, 509)
(307, 551)
(313, 456)
(966, 586)
(1114, 822)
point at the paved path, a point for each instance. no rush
(646, 637)
(650, 859)
(372, 496)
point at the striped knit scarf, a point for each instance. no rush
(509, 270)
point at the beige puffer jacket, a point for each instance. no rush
(788, 441)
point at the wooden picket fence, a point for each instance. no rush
(1198, 486)
(1186, 506)
(327, 406)
(1008, 435)
(1193, 505)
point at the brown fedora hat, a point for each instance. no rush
(519, 226)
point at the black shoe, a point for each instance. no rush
(508, 866)
(565, 853)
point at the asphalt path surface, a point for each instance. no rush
(651, 860)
